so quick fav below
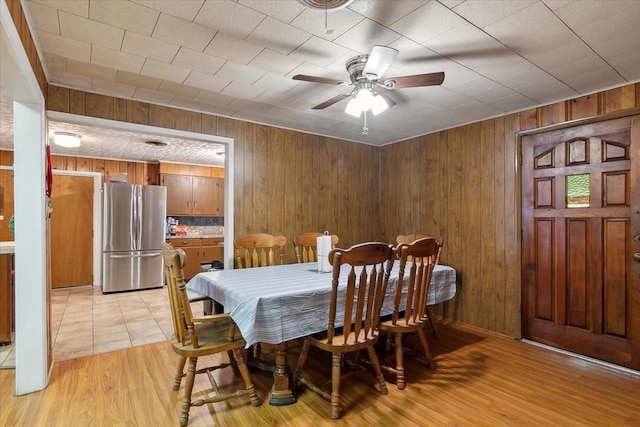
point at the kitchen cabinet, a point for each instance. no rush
(194, 195)
(198, 250)
(7, 295)
(211, 250)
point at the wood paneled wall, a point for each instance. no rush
(286, 182)
(594, 105)
(20, 22)
(137, 172)
(461, 183)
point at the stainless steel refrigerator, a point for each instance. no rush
(133, 230)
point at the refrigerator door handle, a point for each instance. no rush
(132, 221)
(135, 256)
(137, 217)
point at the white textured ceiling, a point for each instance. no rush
(236, 58)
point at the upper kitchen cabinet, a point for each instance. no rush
(208, 196)
(179, 194)
(193, 195)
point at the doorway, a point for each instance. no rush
(67, 187)
(580, 213)
(72, 231)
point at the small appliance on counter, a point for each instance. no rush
(172, 226)
(132, 235)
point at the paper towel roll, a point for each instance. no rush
(323, 247)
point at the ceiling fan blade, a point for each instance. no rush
(331, 101)
(430, 79)
(379, 60)
(324, 80)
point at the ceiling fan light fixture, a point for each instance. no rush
(378, 105)
(353, 108)
(364, 99)
(67, 139)
(326, 4)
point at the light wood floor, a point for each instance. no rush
(481, 379)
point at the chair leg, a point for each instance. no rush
(234, 363)
(179, 373)
(378, 370)
(188, 388)
(399, 362)
(425, 348)
(335, 385)
(301, 361)
(432, 323)
(244, 371)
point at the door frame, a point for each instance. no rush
(97, 219)
(229, 169)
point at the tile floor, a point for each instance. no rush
(84, 321)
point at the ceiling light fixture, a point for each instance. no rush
(67, 139)
(366, 99)
(326, 4)
(156, 143)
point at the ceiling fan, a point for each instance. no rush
(366, 72)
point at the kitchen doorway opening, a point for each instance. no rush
(191, 141)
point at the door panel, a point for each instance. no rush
(580, 210)
(152, 215)
(119, 233)
(205, 201)
(179, 194)
(72, 231)
(125, 271)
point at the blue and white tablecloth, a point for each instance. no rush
(284, 302)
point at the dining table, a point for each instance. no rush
(277, 304)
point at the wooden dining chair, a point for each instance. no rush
(305, 246)
(409, 238)
(201, 336)
(354, 314)
(259, 250)
(410, 313)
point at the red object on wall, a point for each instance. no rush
(49, 173)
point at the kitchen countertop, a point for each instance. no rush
(197, 236)
(7, 247)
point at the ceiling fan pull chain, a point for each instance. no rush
(365, 129)
(326, 18)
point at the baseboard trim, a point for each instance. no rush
(586, 358)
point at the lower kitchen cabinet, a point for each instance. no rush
(211, 250)
(198, 250)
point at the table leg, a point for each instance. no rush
(281, 393)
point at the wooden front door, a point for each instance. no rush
(72, 231)
(580, 214)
